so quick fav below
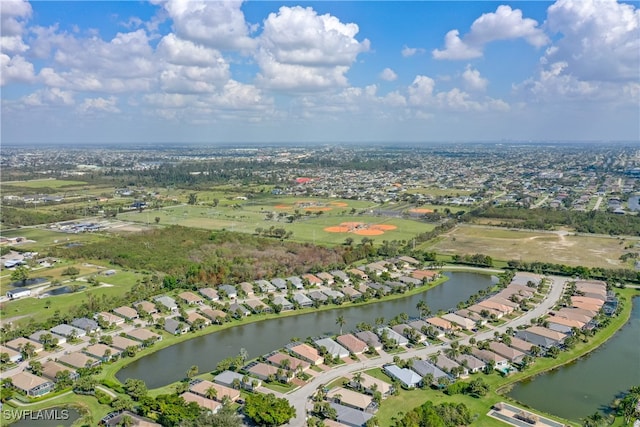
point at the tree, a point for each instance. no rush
(85, 385)
(28, 350)
(594, 420)
(135, 388)
(268, 410)
(211, 393)
(123, 403)
(157, 220)
(35, 367)
(193, 198)
(423, 309)
(192, 371)
(340, 322)
(20, 274)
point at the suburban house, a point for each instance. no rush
(14, 356)
(228, 378)
(326, 278)
(341, 276)
(352, 343)
(520, 344)
(384, 289)
(302, 300)
(37, 336)
(203, 402)
(19, 343)
(50, 369)
(500, 362)
(78, 360)
(296, 282)
(483, 310)
(216, 316)
(200, 387)
(127, 312)
(293, 363)
(279, 283)
(190, 298)
(351, 293)
(318, 296)
(472, 316)
(428, 275)
(511, 354)
(121, 343)
(442, 324)
(367, 382)
(447, 364)
(238, 309)
(228, 290)
(283, 302)
(102, 352)
(266, 286)
(542, 337)
(370, 338)
(167, 302)
(30, 384)
(350, 417)
(406, 330)
(333, 348)
(143, 335)
(193, 317)
(472, 364)
(247, 289)
(306, 352)
(175, 327)
(393, 336)
(502, 308)
(257, 306)
(313, 279)
(68, 331)
(423, 368)
(110, 318)
(407, 377)
(209, 293)
(90, 326)
(333, 295)
(146, 306)
(265, 372)
(350, 398)
(564, 325)
(463, 322)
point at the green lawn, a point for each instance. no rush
(44, 183)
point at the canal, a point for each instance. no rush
(171, 364)
(578, 389)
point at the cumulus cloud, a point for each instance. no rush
(216, 24)
(410, 51)
(596, 57)
(503, 24)
(13, 16)
(49, 97)
(93, 105)
(300, 49)
(388, 74)
(473, 80)
(15, 69)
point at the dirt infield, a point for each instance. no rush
(361, 229)
(283, 207)
(421, 210)
(339, 204)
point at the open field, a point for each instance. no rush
(310, 226)
(44, 183)
(503, 244)
(44, 239)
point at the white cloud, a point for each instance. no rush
(300, 49)
(473, 80)
(388, 74)
(13, 14)
(185, 52)
(15, 70)
(503, 24)
(91, 105)
(216, 24)
(49, 97)
(410, 51)
(421, 90)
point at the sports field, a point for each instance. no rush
(44, 183)
(314, 220)
(504, 244)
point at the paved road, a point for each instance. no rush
(300, 397)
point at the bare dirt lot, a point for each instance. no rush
(555, 247)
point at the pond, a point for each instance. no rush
(590, 383)
(170, 364)
(28, 282)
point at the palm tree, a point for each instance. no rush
(211, 393)
(423, 309)
(594, 420)
(340, 322)
(357, 378)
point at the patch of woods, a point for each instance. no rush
(610, 275)
(442, 415)
(13, 217)
(200, 256)
(582, 222)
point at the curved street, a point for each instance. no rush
(300, 398)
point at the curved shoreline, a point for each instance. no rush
(109, 372)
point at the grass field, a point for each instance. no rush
(44, 183)
(44, 239)
(246, 217)
(504, 244)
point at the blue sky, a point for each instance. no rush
(231, 71)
